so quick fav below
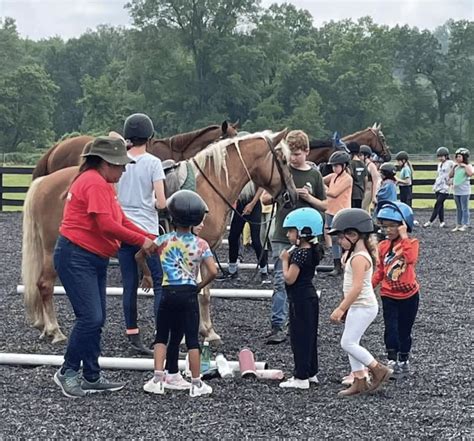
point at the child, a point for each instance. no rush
(303, 226)
(359, 307)
(405, 181)
(441, 186)
(461, 174)
(388, 188)
(181, 254)
(399, 289)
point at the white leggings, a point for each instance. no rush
(357, 321)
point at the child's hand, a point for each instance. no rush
(402, 231)
(337, 315)
(284, 255)
(147, 283)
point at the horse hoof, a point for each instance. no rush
(213, 338)
(58, 337)
(38, 324)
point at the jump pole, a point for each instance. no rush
(132, 364)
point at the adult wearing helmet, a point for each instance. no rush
(398, 255)
(92, 228)
(359, 307)
(303, 226)
(339, 192)
(441, 186)
(373, 178)
(359, 174)
(461, 174)
(182, 254)
(140, 192)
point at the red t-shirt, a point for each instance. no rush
(93, 218)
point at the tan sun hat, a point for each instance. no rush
(110, 149)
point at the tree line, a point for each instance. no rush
(192, 63)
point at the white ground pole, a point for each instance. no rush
(136, 364)
(222, 293)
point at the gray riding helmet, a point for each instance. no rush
(352, 219)
(339, 157)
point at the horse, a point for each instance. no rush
(221, 170)
(321, 150)
(67, 153)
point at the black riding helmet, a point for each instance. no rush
(442, 151)
(339, 157)
(388, 170)
(138, 126)
(353, 147)
(464, 153)
(186, 208)
(352, 219)
(365, 150)
(402, 156)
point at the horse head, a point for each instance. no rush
(229, 130)
(379, 144)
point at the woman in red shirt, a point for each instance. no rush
(92, 229)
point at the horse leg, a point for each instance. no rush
(205, 325)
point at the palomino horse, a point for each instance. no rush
(320, 151)
(67, 153)
(222, 170)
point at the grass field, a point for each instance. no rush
(25, 180)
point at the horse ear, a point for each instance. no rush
(379, 126)
(236, 125)
(224, 127)
(279, 136)
(375, 125)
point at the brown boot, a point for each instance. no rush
(380, 374)
(359, 386)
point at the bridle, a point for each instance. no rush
(376, 133)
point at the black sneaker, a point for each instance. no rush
(101, 385)
(69, 383)
(227, 276)
(277, 338)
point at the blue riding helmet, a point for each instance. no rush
(307, 221)
(398, 212)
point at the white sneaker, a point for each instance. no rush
(176, 382)
(463, 228)
(295, 383)
(442, 225)
(427, 224)
(197, 391)
(416, 223)
(153, 387)
(313, 379)
(456, 228)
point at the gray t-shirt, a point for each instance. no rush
(136, 194)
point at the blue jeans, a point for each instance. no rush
(130, 280)
(279, 298)
(462, 209)
(84, 276)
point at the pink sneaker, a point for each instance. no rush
(176, 382)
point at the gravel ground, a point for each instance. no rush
(432, 403)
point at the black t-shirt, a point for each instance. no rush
(303, 287)
(359, 173)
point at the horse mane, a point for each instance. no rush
(217, 152)
(320, 143)
(185, 139)
(354, 135)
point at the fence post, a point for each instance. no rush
(1, 189)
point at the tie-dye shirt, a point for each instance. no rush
(181, 256)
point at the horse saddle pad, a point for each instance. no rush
(179, 176)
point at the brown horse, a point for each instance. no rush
(67, 153)
(320, 151)
(222, 170)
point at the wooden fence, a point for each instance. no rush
(28, 170)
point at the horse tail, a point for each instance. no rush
(32, 256)
(41, 168)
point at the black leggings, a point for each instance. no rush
(438, 209)
(406, 194)
(178, 316)
(236, 228)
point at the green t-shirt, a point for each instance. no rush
(301, 178)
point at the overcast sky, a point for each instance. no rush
(38, 19)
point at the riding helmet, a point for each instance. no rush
(339, 157)
(398, 212)
(365, 150)
(463, 152)
(186, 208)
(402, 156)
(352, 219)
(138, 126)
(307, 221)
(354, 147)
(442, 151)
(388, 170)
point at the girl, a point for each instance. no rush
(359, 307)
(462, 173)
(181, 254)
(405, 181)
(299, 264)
(398, 255)
(441, 186)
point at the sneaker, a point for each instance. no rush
(69, 383)
(198, 390)
(404, 367)
(395, 367)
(101, 385)
(416, 223)
(265, 279)
(154, 387)
(176, 382)
(227, 276)
(313, 379)
(442, 225)
(277, 338)
(295, 383)
(463, 228)
(456, 228)
(427, 224)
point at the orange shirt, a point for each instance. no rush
(396, 268)
(93, 218)
(341, 190)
